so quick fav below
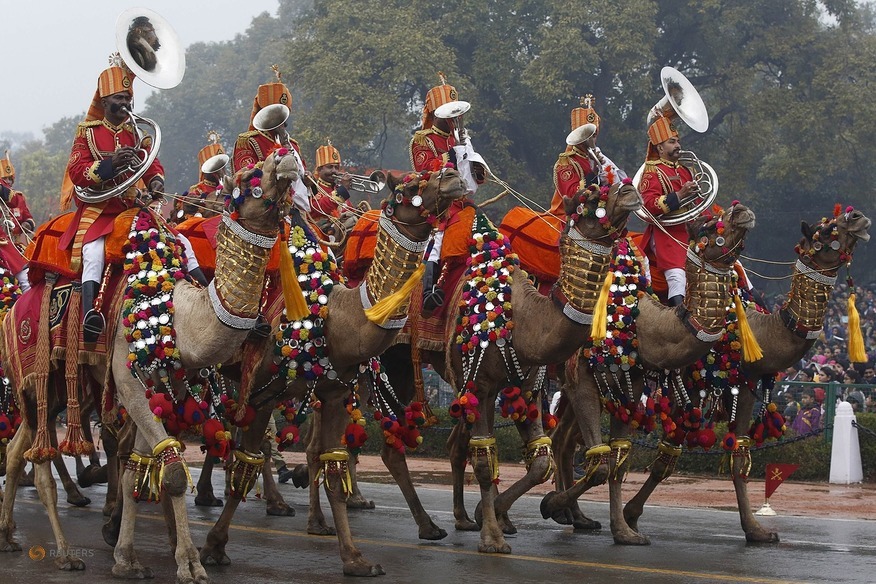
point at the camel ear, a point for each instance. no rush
(807, 230)
(391, 181)
(570, 204)
(227, 184)
(694, 227)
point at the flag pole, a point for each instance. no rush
(766, 509)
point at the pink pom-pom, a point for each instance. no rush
(283, 151)
(734, 203)
(849, 209)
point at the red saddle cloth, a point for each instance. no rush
(535, 238)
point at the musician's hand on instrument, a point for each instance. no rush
(156, 188)
(345, 180)
(687, 189)
(124, 156)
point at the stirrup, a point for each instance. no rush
(92, 325)
(262, 328)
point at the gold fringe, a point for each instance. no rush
(245, 470)
(750, 348)
(540, 447)
(385, 308)
(600, 311)
(485, 446)
(296, 307)
(594, 456)
(336, 461)
(857, 354)
(622, 448)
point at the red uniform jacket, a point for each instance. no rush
(571, 168)
(430, 149)
(90, 166)
(253, 147)
(323, 202)
(659, 180)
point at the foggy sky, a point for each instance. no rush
(54, 50)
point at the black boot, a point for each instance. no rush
(92, 321)
(262, 328)
(199, 277)
(676, 300)
(433, 296)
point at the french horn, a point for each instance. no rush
(150, 48)
(682, 99)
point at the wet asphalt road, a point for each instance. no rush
(689, 546)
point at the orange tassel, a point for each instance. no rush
(296, 307)
(600, 311)
(857, 354)
(750, 348)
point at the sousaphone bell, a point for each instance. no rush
(682, 99)
(454, 110)
(149, 47)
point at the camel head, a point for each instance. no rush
(829, 244)
(417, 201)
(719, 238)
(260, 194)
(602, 213)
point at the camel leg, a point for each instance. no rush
(565, 443)
(111, 447)
(661, 469)
(584, 401)
(74, 496)
(48, 492)
(14, 466)
(213, 550)
(620, 448)
(397, 465)
(204, 488)
(276, 505)
(741, 464)
(357, 500)
(457, 444)
(316, 523)
(334, 419)
(94, 473)
(539, 468)
(127, 565)
(483, 454)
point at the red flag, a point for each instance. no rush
(776, 475)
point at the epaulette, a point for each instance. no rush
(421, 137)
(564, 159)
(243, 138)
(82, 128)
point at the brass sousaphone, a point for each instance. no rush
(682, 99)
(150, 48)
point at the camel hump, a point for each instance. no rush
(535, 238)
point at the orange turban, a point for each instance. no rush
(6, 168)
(111, 81)
(661, 130)
(585, 114)
(327, 155)
(437, 96)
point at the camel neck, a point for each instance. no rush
(241, 260)
(583, 267)
(396, 257)
(807, 302)
(708, 294)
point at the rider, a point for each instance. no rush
(664, 186)
(208, 182)
(582, 164)
(433, 146)
(104, 149)
(16, 204)
(329, 192)
(254, 145)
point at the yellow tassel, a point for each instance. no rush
(296, 307)
(857, 354)
(380, 312)
(750, 348)
(600, 311)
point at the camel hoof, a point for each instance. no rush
(631, 538)
(80, 501)
(494, 549)
(321, 530)
(110, 532)
(550, 510)
(214, 558)
(10, 546)
(762, 537)
(586, 524)
(280, 510)
(359, 503)
(208, 500)
(132, 572)
(69, 563)
(300, 476)
(432, 532)
(362, 568)
(108, 508)
(466, 525)
(91, 475)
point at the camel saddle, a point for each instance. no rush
(535, 238)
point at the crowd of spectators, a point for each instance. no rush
(828, 361)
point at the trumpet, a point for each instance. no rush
(372, 183)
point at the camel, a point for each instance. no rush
(404, 227)
(207, 331)
(667, 339)
(785, 337)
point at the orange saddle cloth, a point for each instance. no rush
(535, 238)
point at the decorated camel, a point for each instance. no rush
(638, 334)
(317, 360)
(785, 337)
(162, 314)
